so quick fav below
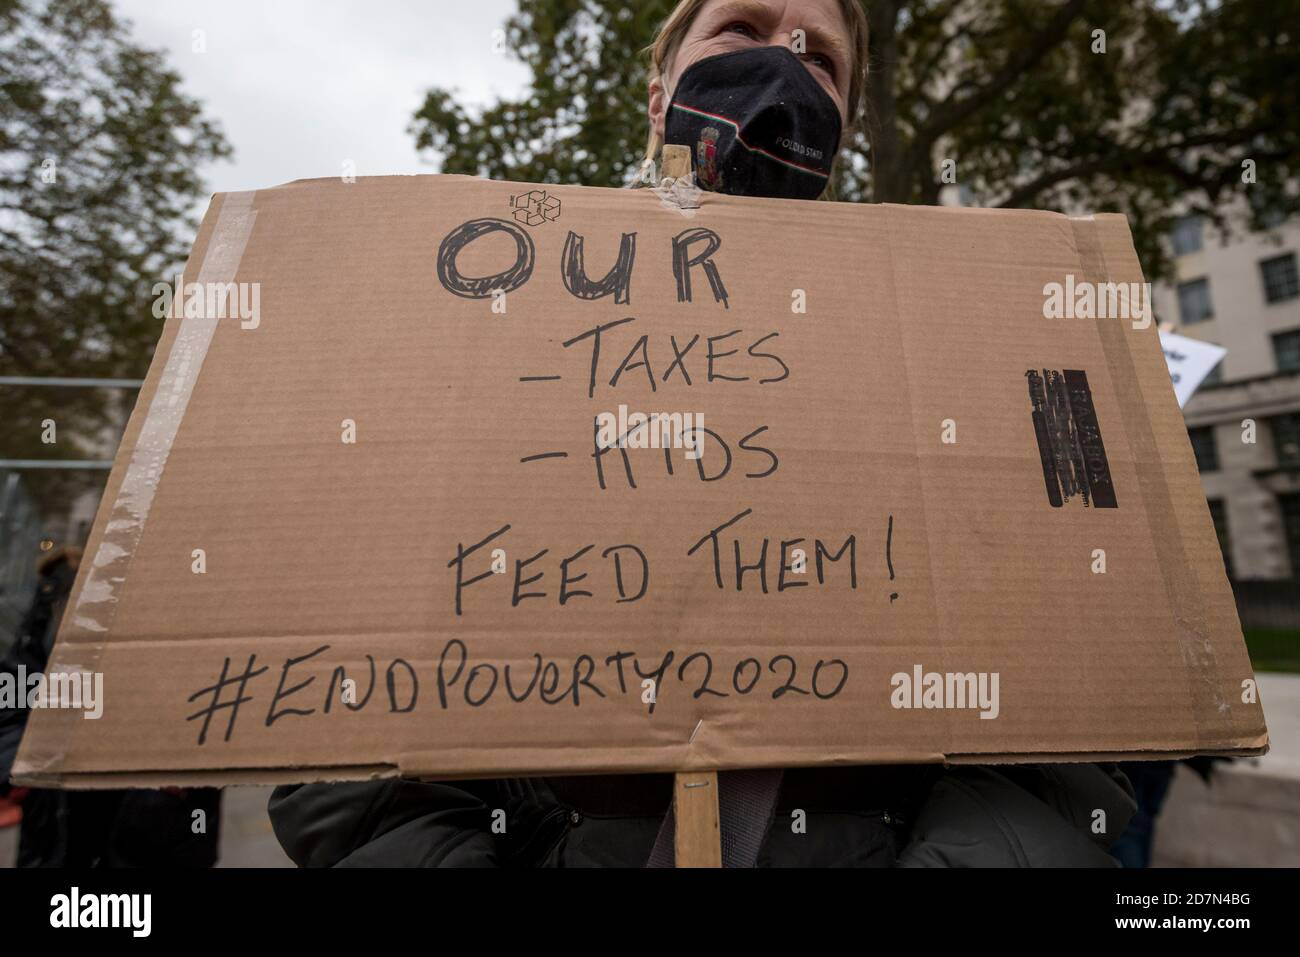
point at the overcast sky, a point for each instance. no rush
(299, 87)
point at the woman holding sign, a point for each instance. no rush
(726, 75)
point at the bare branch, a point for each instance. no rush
(957, 108)
(1123, 158)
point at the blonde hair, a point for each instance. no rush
(670, 35)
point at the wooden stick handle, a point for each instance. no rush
(698, 838)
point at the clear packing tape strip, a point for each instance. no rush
(90, 618)
(1182, 585)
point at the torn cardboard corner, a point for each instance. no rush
(520, 479)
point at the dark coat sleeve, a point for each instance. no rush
(389, 823)
(1058, 815)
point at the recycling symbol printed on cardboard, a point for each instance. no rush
(535, 207)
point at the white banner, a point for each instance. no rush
(1189, 361)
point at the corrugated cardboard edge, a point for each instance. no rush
(241, 777)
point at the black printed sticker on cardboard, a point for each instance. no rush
(1069, 438)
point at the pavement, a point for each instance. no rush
(1249, 813)
(246, 836)
(1247, 816)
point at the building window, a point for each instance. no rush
(1186, 235)
(1207, 453)
(1286, 438)
(1286, 350)
(1219, 515)
(1194, 301)
(1270, 214)
(1289, 505)
(1280, 280)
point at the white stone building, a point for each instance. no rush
(1244, 295)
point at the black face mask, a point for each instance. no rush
(757, 124)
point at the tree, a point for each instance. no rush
(584, 119)
(99, 158)
(1034, 107)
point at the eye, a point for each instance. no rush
(742, 28)
(822, 62)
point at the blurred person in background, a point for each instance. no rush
(123, 828)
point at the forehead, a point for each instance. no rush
(820, 19)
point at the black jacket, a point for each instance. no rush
(1007, 816)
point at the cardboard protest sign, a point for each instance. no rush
(447, 477)
(1189, 361)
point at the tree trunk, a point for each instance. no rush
(888, 156)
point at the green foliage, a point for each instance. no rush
(1011, 90)
(582, 122)
(1274, 649)
(99, 152)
